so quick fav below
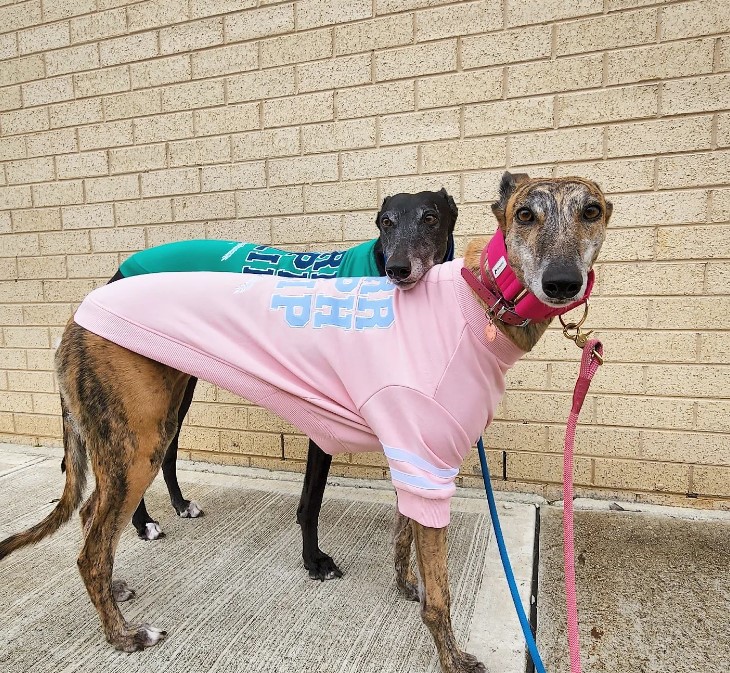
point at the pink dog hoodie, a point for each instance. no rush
(355, 363)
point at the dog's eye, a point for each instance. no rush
(430, 219)
(524, 215)
(592, 211)
(385, 222)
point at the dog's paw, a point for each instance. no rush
(152, 531)
(122, 592)
(137, 637)
(408, 590)
(322, 567)
(462, 662)
(191, 511)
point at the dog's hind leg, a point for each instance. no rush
(402, 540)
(321, 566)
(436, 601)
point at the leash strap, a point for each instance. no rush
(588, 367)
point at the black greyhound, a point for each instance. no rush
(415, 233)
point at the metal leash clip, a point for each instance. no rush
(580, 338)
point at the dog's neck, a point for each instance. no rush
(525, 337)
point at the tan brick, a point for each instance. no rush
(8, 46)
(692, 170)
(140, 158)
(45, 426)
(233, 176)
(256, 443)
(192, 95)
(31, 381)
(723, 130)
(115, 240)
(262, 85)
(54, 243)
(192, 36)
(129, 48)
(161, 71)
(464, 154)
(711, 481)
(584, 143)
(161, 128)
(42, 267)
(24, 121)
(692, 313)
(98, 25)
(638, 210)
(606, 32)
(44, 38)
(132, 104)
(99, 82)
(652, 279)
(30, 170)
(391, 31)
(419, 126)
(598, 441)
(277, 201)
(313, 107)
(658, 62)
(82, 165)
(199, 8)
(377, 163)
(61, 9)
(700, 94)
(92, 266)
(176, 181)
(519, 14)
(314, 13)
(296, 48)
(12, 148)
(720, 205)
(170, 233)
(506, 116)
(204, 207)
(713, 415)
(418, 183)
(75, 113)
(622, 175)
(5, 222)
(229, 119)
(26, 337)
(225, 60)
(88, 216)
(112, 189)
(484, 186)
(16, 402)
(677, 380)
(690, 19)
(222, 415)
(306, 229)
(73, 59)
(656, 137)
(20, 245)
(21, 70)
(714, 348)
(56, 315)
(724, 54)
(202, 439)
(358, 226)
(341, 196)
(297, 170)
(254, 23)
(58, 193)
(10, 98)
(20, 15)
(461, 19)
(608, 105)
(647, 412)
(641, 475)
(45, 403)
(256, 230)
(197, 152)
(338, 135)
(565, 74)
(717, 277)
(445, 90)
(375, 100)
(156, 13)
(545, 467)
(147, 211)
(109, 134)
(15, 197)
(37, 219)
(696, 242)
(334, 74)
(422, 59)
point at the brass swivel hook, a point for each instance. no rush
(579, 338)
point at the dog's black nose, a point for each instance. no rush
(398, 271)
(561, 282)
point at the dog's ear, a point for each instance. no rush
(382, 208)
(451, 204)
(609, 210)
(507, 187)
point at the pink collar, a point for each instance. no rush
(508, 299)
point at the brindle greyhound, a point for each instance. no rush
(122, 408)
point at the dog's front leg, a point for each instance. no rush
(436, 602)
(402, 540)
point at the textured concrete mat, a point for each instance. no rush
(653, 593)
(229, 588)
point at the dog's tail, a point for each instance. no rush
(76, 466)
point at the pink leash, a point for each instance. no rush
(590, 362)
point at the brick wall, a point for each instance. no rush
(128, 124)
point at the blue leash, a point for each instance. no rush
(526, 629)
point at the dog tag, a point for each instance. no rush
(490, 331)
